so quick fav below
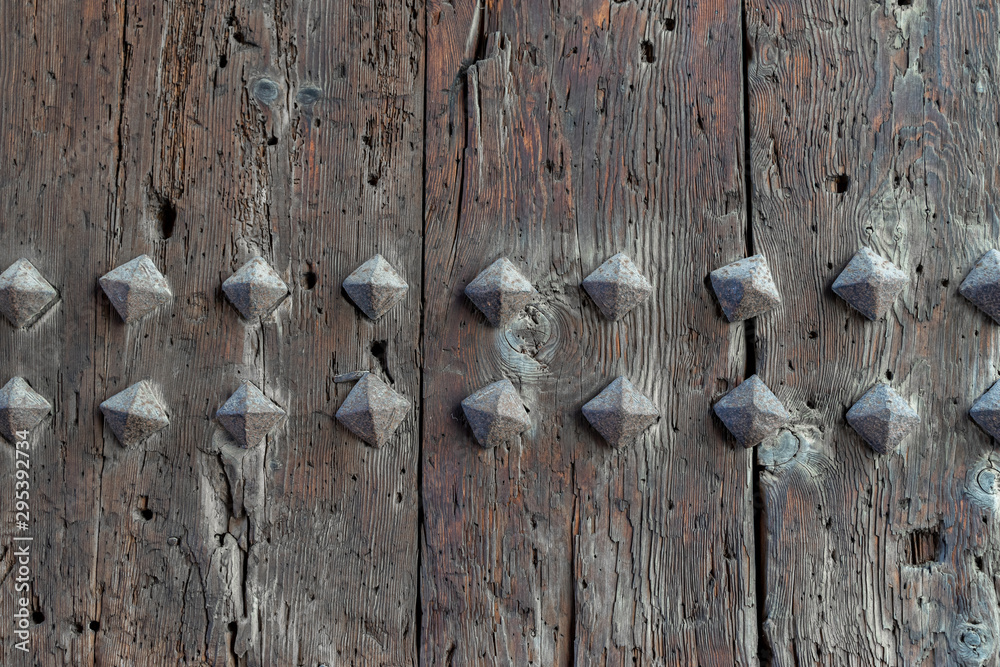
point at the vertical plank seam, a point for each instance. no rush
(418, 617)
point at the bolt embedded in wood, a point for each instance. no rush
(501, 292)
(134, 414)
(620, 413)
(21, 408)
(375, 287)
(373, 411)
(24, 293)
(617, 286)
(870, 284)
(249, 415)
(982, 285)
(255, 289)
(745, 288)
(751, 412)
(986, 411)
(496, 414)
(136, 288)
(883, 418)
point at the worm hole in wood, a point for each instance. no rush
(166, 216)
(670, 24)
(839, 183)
(95, 626)
(37, 617)
(923, 546)
(647, 51)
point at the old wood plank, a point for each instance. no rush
(873, 126)
(59, 67)
(558, 135)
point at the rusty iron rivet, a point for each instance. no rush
(135, 288)
(982, 285)
(495, 414)
(617, 287)
(870, 284)
(266, 90)
(249, 415)
(134, 414)
(500, 292)
(883, 418)
(373, 411)
(620, 413)
(745, 288)
(986, 411)
(375, 287)
(21, 408)
(255, 289)
(24, 293)
(308, 95)
(751, 412)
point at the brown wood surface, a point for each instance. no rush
(445, 135)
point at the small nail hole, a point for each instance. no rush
(888, 375)
(146, 514)
(373, 179)
(944, 283)
(920, 268)
(166, 216)
(670, 24)
(273, 141)
(37, 617)
(233, 626)
(310, 279)
(839, 183)
(95, 626)
(647, 51)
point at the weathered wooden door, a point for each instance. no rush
(443, 136)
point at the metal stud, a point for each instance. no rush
(375, 287)
(255, 289)
(751, 412)
(21, 408)
(134, 414)
(986, 411)
(982, 285)
(249, 415)
(496, 414)
(136, 288)
(373, 411)
(24, 293)
(620, 413)
(617, 287)
(501, 292)
(870, 284)
(745, 288)
(883, 418)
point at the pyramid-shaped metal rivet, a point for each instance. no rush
(982, 285)
(496, 414)
(501, 292)
(21, 408)
(249, 415)
(375, 287)
(986, 411)
(617, 286)
(870, 284)
(745, 288)
(883, 418)
(255, 289)
(620, 413)
(134, 414)
(136, 288)
(24, 293)
(751, 412)
(373, 411)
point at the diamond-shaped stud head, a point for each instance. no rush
(255, 289)
(24, 293)
(870, 284)
(501, 292)
(375, 287)
(620, 413)
(135, 288)
(134, 414)
(249, 415)
(21, 408)
(982, 285)
(751, 412)
(496, 414)
(883, 418)
(617, 287)
(986, 411)
(373, 411)
(745, 288)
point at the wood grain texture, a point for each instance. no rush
(187, 549)
(874, 124)
(557, 135)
